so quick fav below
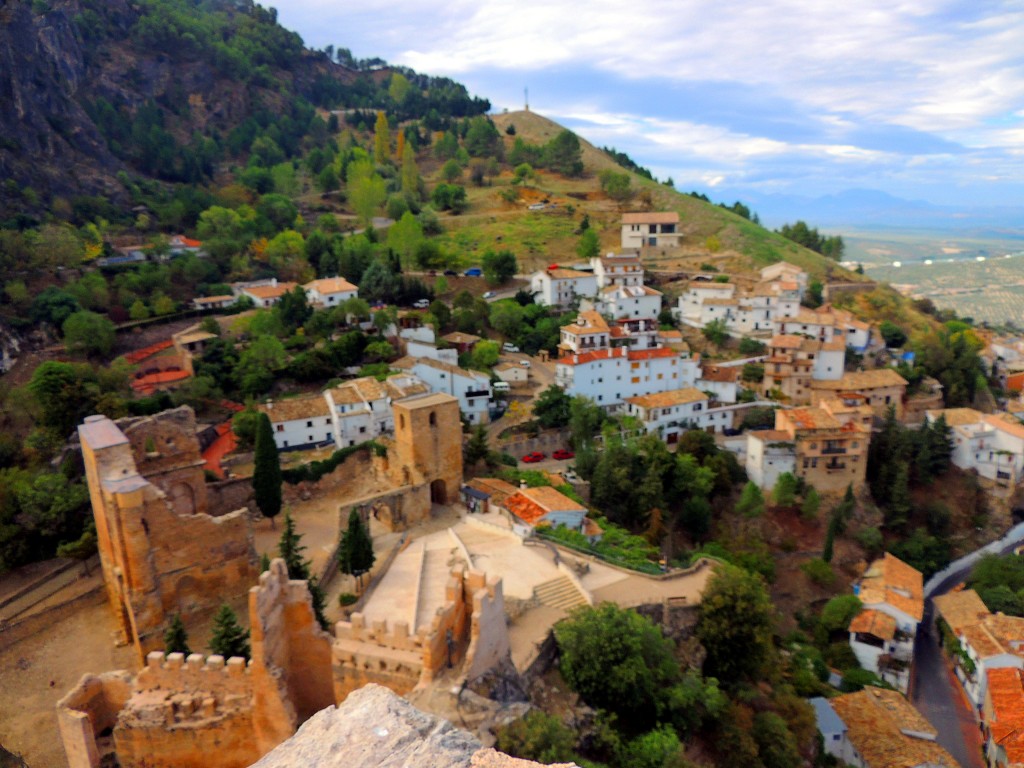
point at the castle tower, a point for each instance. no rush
(428, 445)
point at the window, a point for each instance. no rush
(309, 423)
(362, 430)
(327, 437)
(280, 427)
(309, 439)
(635, 380)
(433, 419)
(285, 443)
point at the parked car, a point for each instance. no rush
(421, 303)
(524, 363)
(473, 272)
(508, 346)
(451, 273)
(533, 457)
(563, 453)
(489, 295)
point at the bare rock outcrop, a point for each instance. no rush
(374, 728)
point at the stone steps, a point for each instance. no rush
(560, 592)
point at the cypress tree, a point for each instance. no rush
(290, 549)
(176, 638)
(266, 476)
(355, 555)
(264, 562)
(229, 639)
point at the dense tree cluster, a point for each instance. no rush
(800, 233)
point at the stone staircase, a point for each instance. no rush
(560, 592)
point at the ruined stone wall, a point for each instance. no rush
(441, 649)
(364, 654)
(182, 712)
(88, 709)
(228, 495)
(291, 655)
(160, 555)
(489, 643)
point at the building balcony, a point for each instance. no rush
(835, 466)
(471, 393)
(833, 451)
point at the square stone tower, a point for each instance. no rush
(428, 445)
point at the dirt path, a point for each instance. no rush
(40, 670)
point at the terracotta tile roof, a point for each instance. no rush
(879, 723)
(1006, 692)
(678, 335)
(622, 259)
(270, 291)
(589, 357)
(407, 363)
(871, 622)
(771, 436)
(567, 274)
(960, 609)
(532, 504)
(858, 380)
(889, 580)
(708, 285)
(788, 285)
(720, 303)
(651, 354)
(1007, 424)
(783, 265)
(191, 337)
(957, 417)
(329, 285)
(669, 399)
(495, 487)
(213, 299)
(185, 242)
(812, 418)
(458, 337)
(836, 345)
(996, 634)
(399, 387)
(590, 528)
(295, 408)
(787, 341)
(658, 217)
(724, 374)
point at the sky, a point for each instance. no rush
(920, 99)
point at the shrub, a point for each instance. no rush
(346, 598)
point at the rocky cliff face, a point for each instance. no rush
(47, 140)
(374, 728)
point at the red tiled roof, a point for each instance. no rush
(141, 354)
(650, 354)
(589, 357)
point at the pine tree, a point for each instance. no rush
(229, 639)
(751, 503)
(266, 476)
(319, 601)
(477, 448)
(899, 504)
(834, 528)
(290, 549)
(264, 562)
(381, 139)
(809, 508)
(940, 443)
(176, 638)
(355, 555)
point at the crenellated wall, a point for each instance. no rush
(90, 708)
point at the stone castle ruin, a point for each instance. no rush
(179, 712)
(162, 550)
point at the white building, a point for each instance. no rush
(671, 413)
(421, 342)
(617, 270)
(361, 408)
(827, 324)
(330, 291)
(264, 293)
(590, 331)
(561, 287)
(990, 444)
(650, 230)
(634, 301)
(783, 271)
(770, 453)
(300, 422)
(471, 388)
(511, 372)
(834, 732)
(720, 380)
(691, 303)
(882, 635)
(609, 377)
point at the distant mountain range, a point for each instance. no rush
(872, 209)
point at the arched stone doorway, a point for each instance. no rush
(438, 492)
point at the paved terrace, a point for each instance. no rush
(413, 588)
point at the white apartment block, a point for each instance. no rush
(672, 413)
(471, 388)
(300, 422)
(361, 409)
(610, 377)
(634, 301)
(561, 287)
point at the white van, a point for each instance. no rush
(500, 386)
(508, 346)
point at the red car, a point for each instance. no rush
(562, 453)
(533, 458)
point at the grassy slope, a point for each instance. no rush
(539, 238)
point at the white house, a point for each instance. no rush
(561, 287)
(622, 270)
(361, 408)
(769, 453)
(609, 377)
(721, 380)
(330, 291)
(633, 301)
(671, 413)
(471, 388)
(650, 230)
(882, 635)
(692, 303)
(783, 271)
(421, 342)
(533, 507)
(264, 294)
(300, 422)
(512, 373)
(590, 331)
(834, 733)
(990, 444)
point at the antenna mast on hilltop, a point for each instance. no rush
(526, 98)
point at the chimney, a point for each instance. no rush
(522, 485)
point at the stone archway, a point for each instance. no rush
(182, 499)
(438, 492)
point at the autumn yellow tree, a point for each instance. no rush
(400, 146)
(410, 174)
(381, 139)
